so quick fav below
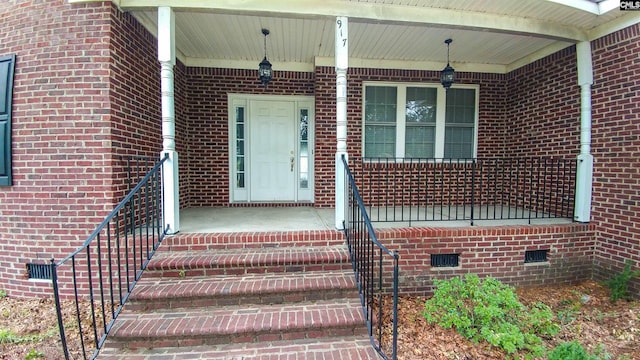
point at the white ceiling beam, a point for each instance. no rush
(632, 18)
(542, 53)
(371, 12)
(353, 63)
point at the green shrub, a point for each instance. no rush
(619, 284)
(574, 351)
(489, 310)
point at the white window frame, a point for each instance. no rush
(441, 104)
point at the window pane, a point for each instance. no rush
(303, 144)
(240, 170)
(421, 105)
(380, 121)
(380, 104)
(380, 141)
(420, 142)
(239, 147)
(421, 120)
(461, 106)
(304, 124)
(458, 142)
(240, 131)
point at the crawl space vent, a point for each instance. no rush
(445, 260)
(39, 271)
(535, 256)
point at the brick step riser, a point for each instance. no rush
(177, 272)
(205, 242)
(186, 341)
(147, 305)
(355, 347)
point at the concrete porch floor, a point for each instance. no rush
(264, 219)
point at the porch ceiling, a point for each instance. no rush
(488, 36)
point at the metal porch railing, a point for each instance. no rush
(420, 189)
(376, 272)
(99, 276)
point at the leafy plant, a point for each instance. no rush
(619, 283)
(8, 337)
(574, 351)
(489, 310)
(34, 354)
(3, 294)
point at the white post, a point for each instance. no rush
(342, 63)
(584, 171)
(167, 58)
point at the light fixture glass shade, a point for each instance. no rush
(264, 71)
(447, 76)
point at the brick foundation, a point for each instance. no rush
(492, 251)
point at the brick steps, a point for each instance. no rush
(212, 326)
(347, 347)
(266, 302)
(171, 293)
(245, 261)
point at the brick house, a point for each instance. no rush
(87, 90)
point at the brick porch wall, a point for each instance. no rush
(543, 107)
(616, 151)
(492, 251)
(546, 91)
(136, 119)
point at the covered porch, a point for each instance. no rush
(301, 218)
(333, 63)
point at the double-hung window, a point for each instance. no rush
(419, 121)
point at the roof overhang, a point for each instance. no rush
(491, 36)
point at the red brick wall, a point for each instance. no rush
(61, 134)
(86, 92)
(136, 119)
(616, 151)
(543, 108)
(206, 118)
(492, 251)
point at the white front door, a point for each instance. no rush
(272, 150)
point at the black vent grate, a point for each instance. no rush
(445, 260)
(535, 256)
(39, 271)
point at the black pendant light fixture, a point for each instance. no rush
(447, 75)
(264, 69)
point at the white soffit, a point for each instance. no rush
(488, 36)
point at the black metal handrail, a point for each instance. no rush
(372, 262)
(103, 271)
(421, 189)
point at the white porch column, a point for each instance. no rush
(167, 58)
(584, 175)
(342, 63)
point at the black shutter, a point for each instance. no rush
(6, 93)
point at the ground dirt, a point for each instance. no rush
(28, 328)
(584, 312)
